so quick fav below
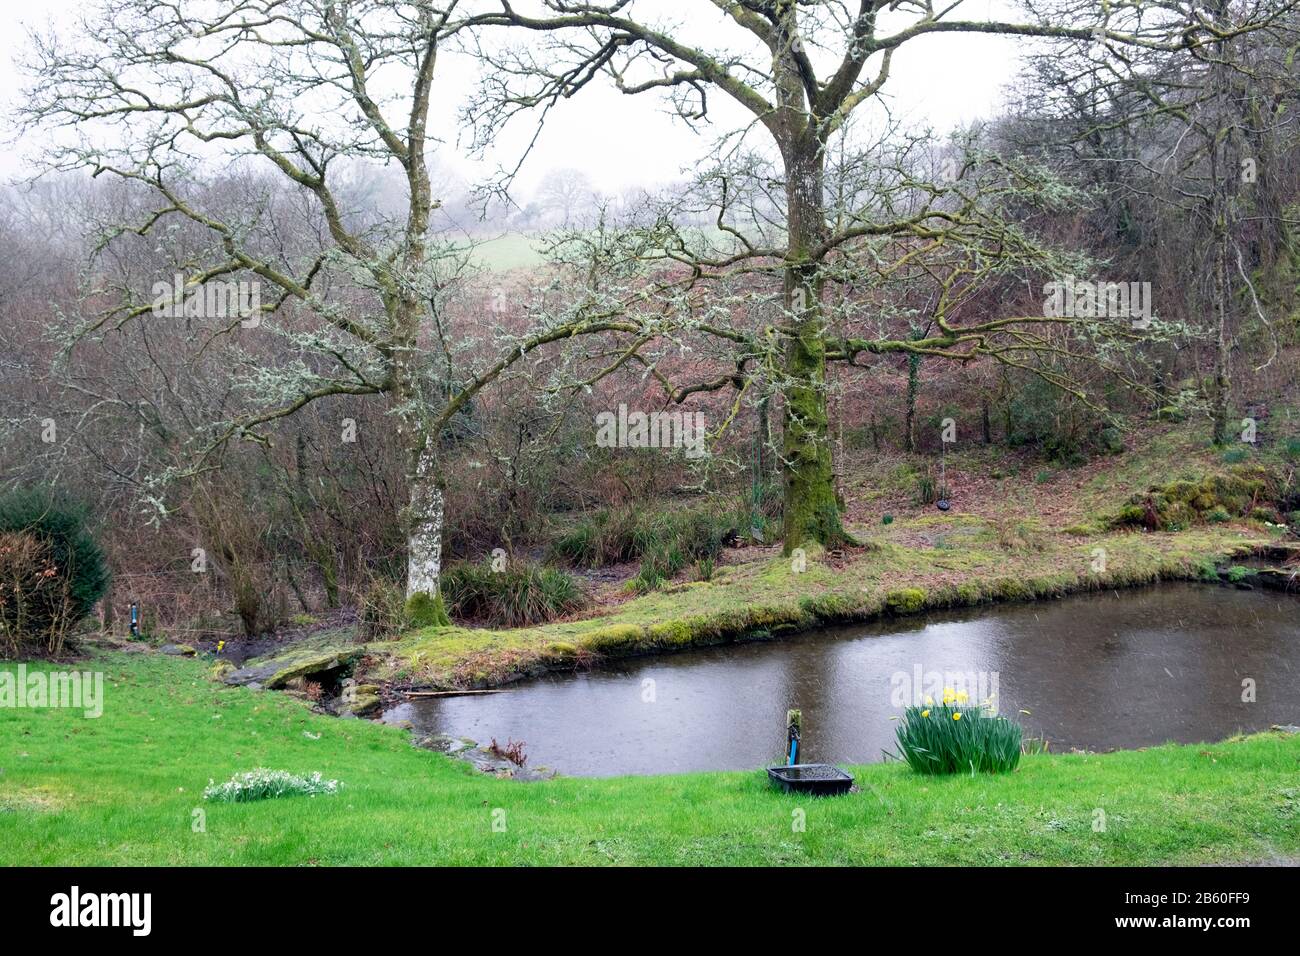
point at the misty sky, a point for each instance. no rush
(622, 141)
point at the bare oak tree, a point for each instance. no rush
(306, 91)
(800, 69)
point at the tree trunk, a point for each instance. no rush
(764, 440)
(1222, 352)
(811, 510)
(424, 524)
(913, 386)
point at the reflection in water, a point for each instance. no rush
(1096, 672)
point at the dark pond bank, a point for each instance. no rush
(1097, 672)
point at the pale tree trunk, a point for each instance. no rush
(424, 520)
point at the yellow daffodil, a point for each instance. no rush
(929, 701)
(957, 716)
(925, 713)
(962, 697)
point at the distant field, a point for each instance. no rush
(517, 250)
(509, 252)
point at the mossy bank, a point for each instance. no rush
(767, 598)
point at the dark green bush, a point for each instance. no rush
(1060, 426)
(520, 594)
(52, 571)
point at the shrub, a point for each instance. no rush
(263, 784)
(665, 542)
(1061, 426)
(627, 534)
(956, 737)
(520, 594)
(52, 571)
(382, 607)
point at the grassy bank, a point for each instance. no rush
(929, 563)
(123, 789)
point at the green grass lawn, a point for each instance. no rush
(123, 789)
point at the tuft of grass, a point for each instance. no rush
(520, 594)
(927, 490)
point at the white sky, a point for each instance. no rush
(622, 141)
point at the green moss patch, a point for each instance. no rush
(1242, 491)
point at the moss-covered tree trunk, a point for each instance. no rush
(913, 386)
(811, 510)
(1221, 395)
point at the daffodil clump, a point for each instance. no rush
(958, 736)
(263, 784)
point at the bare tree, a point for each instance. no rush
(1194, 136)
(566, 195)
(801, 70)
(307, 92)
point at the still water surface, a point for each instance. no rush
(1097, 672)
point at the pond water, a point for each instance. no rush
(1096, 672)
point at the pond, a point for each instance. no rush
(1096, 672)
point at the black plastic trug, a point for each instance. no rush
(819, 779)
